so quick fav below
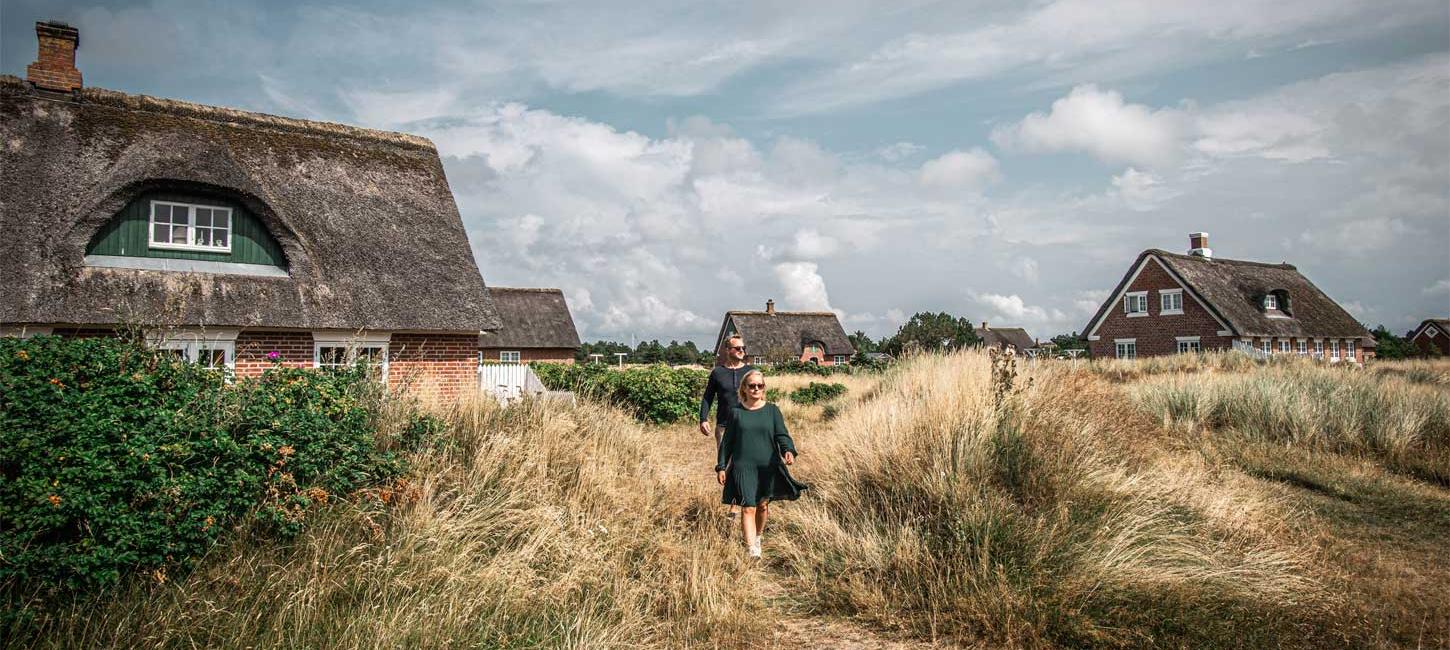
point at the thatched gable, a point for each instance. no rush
(371, 235)
(777, 332)
(532, 318)
(1234, 290)
(1000, 337)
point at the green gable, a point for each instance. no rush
(128, 234)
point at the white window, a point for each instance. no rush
(1126, 348)
(1349, 349)
(1431, 331)
(1284, 346)
(757, 359)
(839, 359)
(337, 349)
(215, 349)
(1303, 346)
(1189, 345)
(1271, 301)
(508, 356)
(1334, 349)
(1319, 347)
(1170, 301)
(1267, 346)
(189, 227)
(1136, 303)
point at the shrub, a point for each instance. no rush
(116, 459)
(816, 392)
(773, 394)
(656, 393)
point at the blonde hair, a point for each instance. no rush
(740, 392)
(723, 354)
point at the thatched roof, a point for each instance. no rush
(773, 332)
(996, 337)
(1443, 324)
(532, 318)
(1234, 291)
(372, 237)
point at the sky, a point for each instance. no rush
(664, 162)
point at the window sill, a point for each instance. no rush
(1137, 314)
(1171, 312)
(189, 247)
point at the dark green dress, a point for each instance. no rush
(751, 455)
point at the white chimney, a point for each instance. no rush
(1198, 245)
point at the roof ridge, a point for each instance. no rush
(528, 289)
(151, 104)
(1223, 260)
(782, 313)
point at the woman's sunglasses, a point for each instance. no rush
(738, 347)
(755, 386)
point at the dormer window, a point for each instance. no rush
(1271, 302)
(191, 227)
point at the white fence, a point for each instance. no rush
(508, 381)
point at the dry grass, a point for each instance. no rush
(1097, 505)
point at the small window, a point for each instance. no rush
(1349, 349)
(1271, 301)
(1334, 349)
(1127, 349)
(509, 356)
(1303, 346)
(1431, 331)
(1189, 347)
(1136, 303)
(341, 356)
(1267, 346)
(757, 359)
(1319, 348)
(839, 359)
(214, 355)
(1171, 301)
(186, 226)
(1283, 346)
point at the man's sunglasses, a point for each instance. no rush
(738, 347)
(755, 386)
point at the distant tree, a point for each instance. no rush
(932, 332)
(1073, 341)
(1390, 346)
(648, 352)
(679, 354)
(861, 342)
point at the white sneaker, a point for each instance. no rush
(754, 551)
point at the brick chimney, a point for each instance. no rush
(55, 63)
(1198, 245)
(769, 306)
(984, 325)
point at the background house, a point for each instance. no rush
(536, 326)
(775, 336)
(1432, 337)
(1169, 303)
(1001, 337)
(235, 239)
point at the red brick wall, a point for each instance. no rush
(55, 64)
(439, 366)
(294, 349)
(1156, 333)
(539, 355)
(821, 358)
(1429, 346)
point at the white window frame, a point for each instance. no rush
(1189, 344)
(1125, 345)
(510, 356)
(1163, 299)
(192, 342)
(191, 227)
(1334, 350)
(352, 341)
(1319, 348)
(1267, 345)
(1349, 349)
(1139, 300)
(1284, 346)
(1271, 301)
(757, 359)
(24, 331)
(838, 359)
(1303, 347)
(1431, 331)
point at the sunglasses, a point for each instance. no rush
(755, 386)
(738, 347)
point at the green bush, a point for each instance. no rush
(798, 367)
(116, 459)
(773, 394)
(816, 392)
(656, 393)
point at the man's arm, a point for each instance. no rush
(711, 390)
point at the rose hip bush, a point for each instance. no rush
(655, 393)
(116, 459)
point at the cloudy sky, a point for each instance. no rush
(663, 162)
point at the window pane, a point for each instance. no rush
(160, 233)
(178, 235)
(203, 217)
(221, 218)
(203, 236)
(219, 238)
(331, 356)
(163, 214)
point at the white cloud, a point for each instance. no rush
(810, 244)
(1025, 268)
(899, 151)
(803, 287)
(960, 169)
(1441, 286)
(1141, 191)
(1101, 123)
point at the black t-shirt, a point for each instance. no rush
(725, 384)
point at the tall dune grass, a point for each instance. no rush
(1402, 423)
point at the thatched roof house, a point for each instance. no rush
(1001, 337)
(1432, 337)
(129, 209)
(1170, 302)
(536, 326)
(772, 336)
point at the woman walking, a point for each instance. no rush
(752, 459)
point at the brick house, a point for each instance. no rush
(1432, 337)
(1169, 303)
(536, 326)
(773, 336)
(232, 239)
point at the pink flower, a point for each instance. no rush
(274, 355)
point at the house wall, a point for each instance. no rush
(441, 366)
(294, 349)
(1439, 344)
(1157, 334)
(536, 355)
